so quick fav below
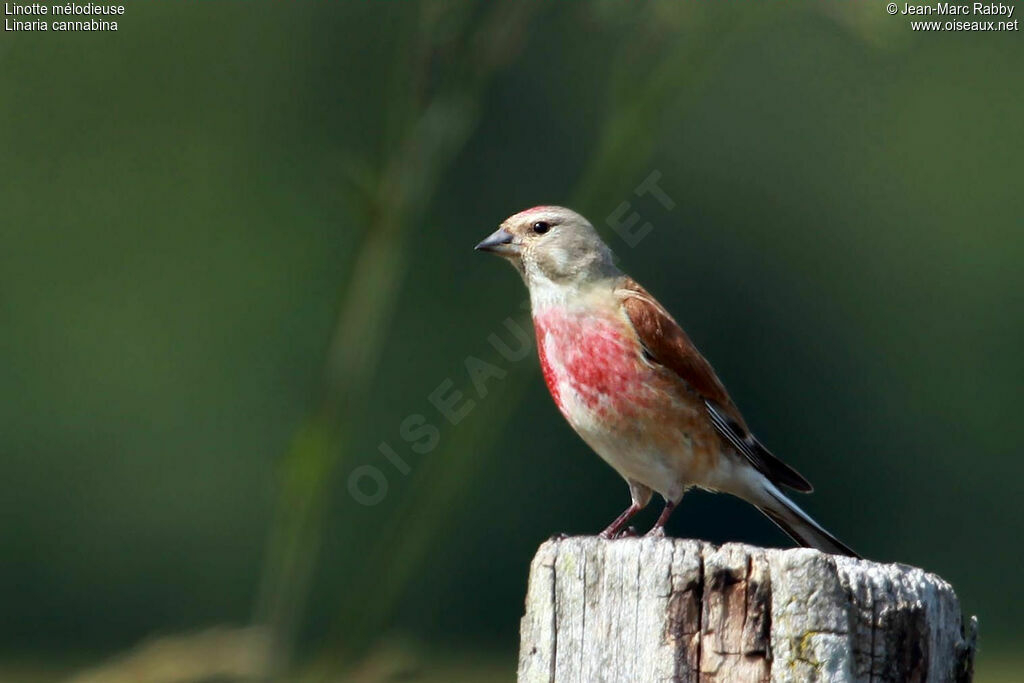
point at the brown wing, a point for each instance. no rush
(665, 343)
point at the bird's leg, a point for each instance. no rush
(659, 527)
(640, 496)
(613, 529)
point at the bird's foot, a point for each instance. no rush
(628, 532)
(558, 536)
(656, 532)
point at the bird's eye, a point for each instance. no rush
(541, 227)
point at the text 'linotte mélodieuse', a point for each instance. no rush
(87, 17)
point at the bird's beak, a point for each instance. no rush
(500, 243)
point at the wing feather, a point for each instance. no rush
(665, 343)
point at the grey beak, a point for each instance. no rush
(500, 242)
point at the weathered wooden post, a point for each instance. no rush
(682, 610)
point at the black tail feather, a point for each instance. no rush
(802, 529)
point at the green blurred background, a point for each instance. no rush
(237, 255)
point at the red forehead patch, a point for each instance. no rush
(535, 209)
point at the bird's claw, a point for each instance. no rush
(558, 536)
(656, 532)
(628, 532)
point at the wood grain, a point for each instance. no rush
(682, 610)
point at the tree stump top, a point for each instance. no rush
(664, 609)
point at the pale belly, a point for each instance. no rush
(643, 423)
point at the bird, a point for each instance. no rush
(632, 384)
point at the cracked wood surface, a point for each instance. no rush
(683, 610)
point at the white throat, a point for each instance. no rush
(546, 294)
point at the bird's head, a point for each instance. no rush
(551, 244)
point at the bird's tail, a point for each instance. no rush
(797, 523)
